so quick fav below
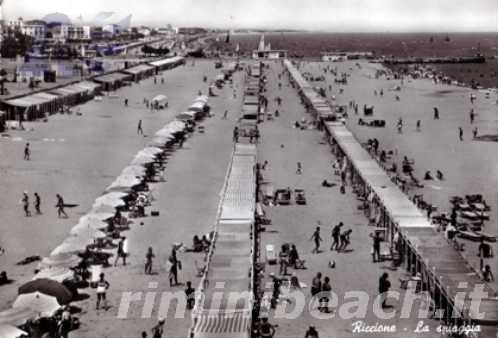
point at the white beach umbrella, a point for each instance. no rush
(134, 170)
(113, 199)
(43, 305)
(66, 260)
(123, 183)
(10, 331)
(16, 316)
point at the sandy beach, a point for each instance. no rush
(78, 156)
(469, 167)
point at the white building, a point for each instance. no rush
(79, 33)
(111, 30)
(36, 31)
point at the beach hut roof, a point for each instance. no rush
(138, 69)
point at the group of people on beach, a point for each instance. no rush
(37, 204)
(340, 240)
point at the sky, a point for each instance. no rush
(323, 15)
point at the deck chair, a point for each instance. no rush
(199, 269)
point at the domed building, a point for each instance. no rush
(57, 18)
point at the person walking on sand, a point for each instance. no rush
(37, 204)
(384, 286)
(325, 293)
(316, 239)
(474, 133)
(148, 261)
(336, 232)
(316, 284)
(120, 252)
(60, 206)
(158, 329)
(236, 134)
(436, 113)
(139, 128)
(418, 125)
(299, 169)
(376, 239)
(126, 102)
(102, 286)
(460, 133)
(27, 152)
(472, 116)
(25, 204)
(174, 265)
(345, 241)
(225, 115)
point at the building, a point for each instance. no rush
(79, 33)
(266, 52)
(35, 29)
(111, 30)
(96, 33)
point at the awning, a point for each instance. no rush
(72, 244)
(134, 170)
(58, 274)
(88, 85)
(168, 61)
(137, 69)
(111, 78)
(62, 260)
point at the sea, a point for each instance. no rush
(312, 44)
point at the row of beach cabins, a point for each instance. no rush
(224, 304)
(50, 101)
(434, 265)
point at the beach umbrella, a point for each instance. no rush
(123, 183)
(65, 260)
(47, 287)
(202, 98)
(134, 170)
(43, 305)
(103, 209)
(85, 230)
(16, 316)
(95, 221)
(184, 116)
(197, 106)
(58, 274)
(72, 244)
(143, 158)
(10, 331)
(165, 132)
(152, 150)
(161, 141)
(113, 199)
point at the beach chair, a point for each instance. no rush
(271, 255)
(199, 268)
